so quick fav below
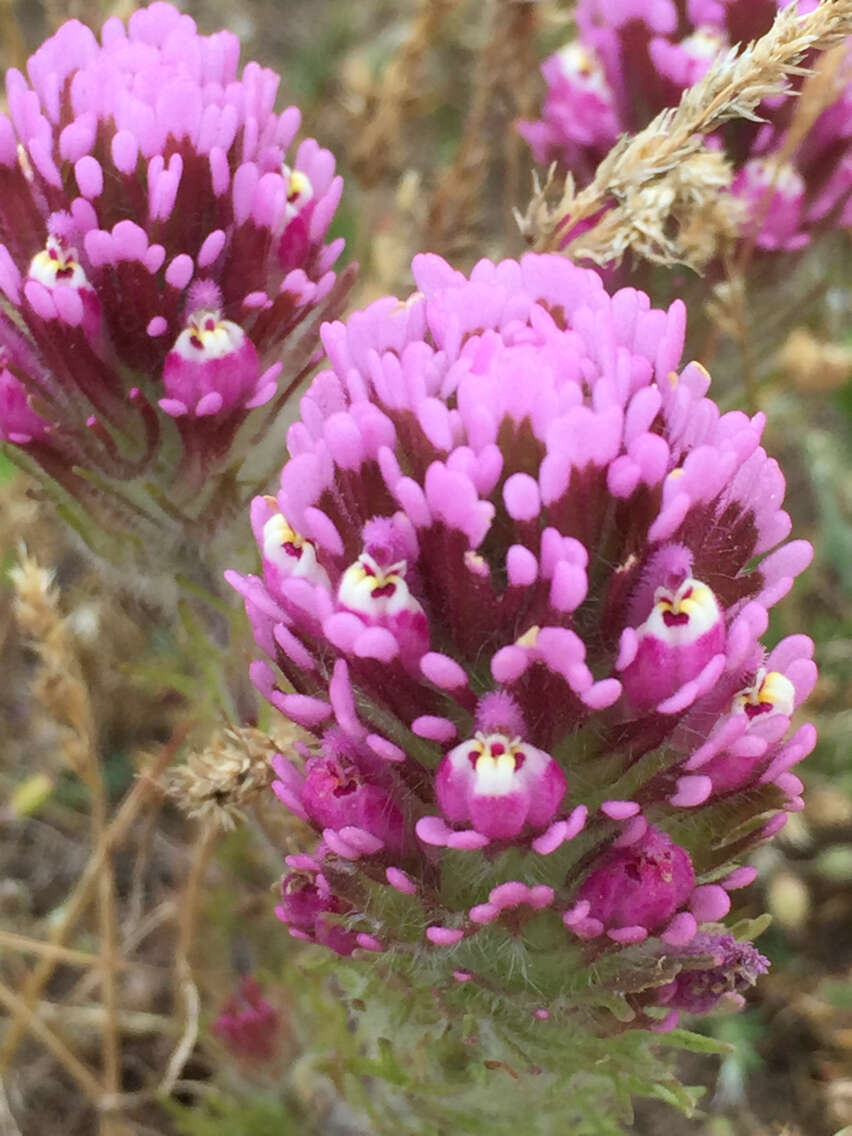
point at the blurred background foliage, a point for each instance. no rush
(417, 99)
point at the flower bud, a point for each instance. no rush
(248, 1025)
(307, 903)
(376, 591)
(638, 888)
(19, 423)
(336, 796)
(774, 197)
(736, 967)
(212, 368)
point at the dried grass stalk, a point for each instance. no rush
(505, 69)
(17, 1008)
(58, 685)
(376, 136)
(813, 365)
(186, 990)
(650, 184)
(76, 903)
(61, 690)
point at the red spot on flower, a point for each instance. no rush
(344, 788)
(675, 618)
(754, 709)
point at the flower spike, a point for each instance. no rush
(514, 581)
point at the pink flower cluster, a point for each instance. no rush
(156, 247)
(633, 58)
(248, 1024)
(514, 583)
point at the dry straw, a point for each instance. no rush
(503, 90)
(399, 97)
(661, 193)
(61, 690)
(58, 684)
(813, 365)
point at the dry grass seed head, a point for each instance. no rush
(667, 165)
(814, 365)
(217, 783)
(58, 685)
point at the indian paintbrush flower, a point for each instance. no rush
(164, 262)
(514, 582)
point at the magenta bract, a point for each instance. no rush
(639, 886)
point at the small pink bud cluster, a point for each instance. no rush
(733, 968)
(514, 583)
(633, 58)
(167, 268)
(249, 1025)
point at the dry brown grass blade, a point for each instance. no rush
(504, 69)
(375, 137)
(58, 684)
(21, 943)
(108, 928)
(61, 689)
(135, 1023)
(666, 173)
(134, 801)
(185, 987)
(16, 1006)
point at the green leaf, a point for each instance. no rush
(694, 1042)
(252, 1115)
(8, 469)
(751, 929)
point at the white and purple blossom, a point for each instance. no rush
(514, 582)
(166, 265)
